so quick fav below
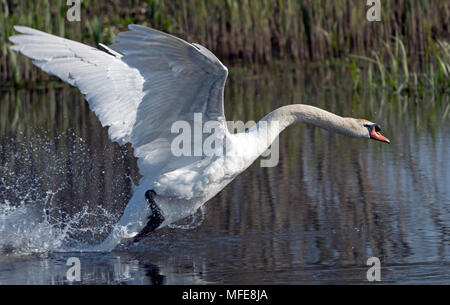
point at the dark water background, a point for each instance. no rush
(329, 205)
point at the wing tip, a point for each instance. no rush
(30, 31)
(16, 47)
(14, 38)
(20, 28)
(151, 31)
(141, 28)
(132, 26)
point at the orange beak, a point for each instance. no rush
(378, 136)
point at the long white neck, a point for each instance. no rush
(269, 127)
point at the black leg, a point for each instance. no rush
(155, 218)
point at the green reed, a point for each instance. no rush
(263, 31)
(393, 69)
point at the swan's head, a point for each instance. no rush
(372, 131)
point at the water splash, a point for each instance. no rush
(47, 198)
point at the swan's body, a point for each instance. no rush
(158, 80)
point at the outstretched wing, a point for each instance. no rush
(112, 88)
(160, 79)
(180, 79)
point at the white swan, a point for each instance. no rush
(156, 80)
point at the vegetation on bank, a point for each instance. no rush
(390, 68)
(408, 51)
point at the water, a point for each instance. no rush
(329, 205)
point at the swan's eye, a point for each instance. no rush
(372, 126)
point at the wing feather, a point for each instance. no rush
(180, 79)
(112, 88)
(147, 81)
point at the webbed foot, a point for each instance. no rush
(155, 219)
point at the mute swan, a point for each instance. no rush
(139, 87)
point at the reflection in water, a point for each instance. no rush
(331, 203)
